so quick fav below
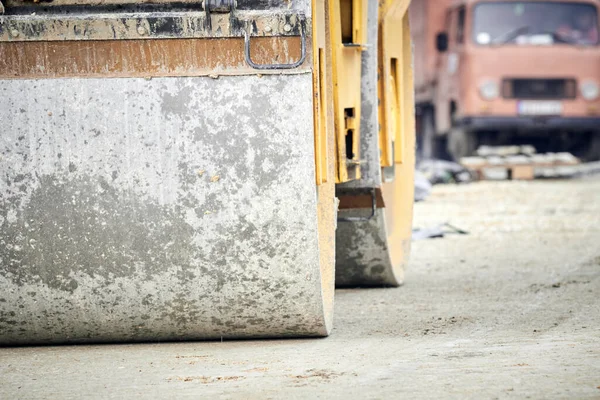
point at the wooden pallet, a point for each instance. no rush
(521, 166)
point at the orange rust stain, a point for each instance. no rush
(361, 201)
(144, 58)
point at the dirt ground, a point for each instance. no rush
(511, 310)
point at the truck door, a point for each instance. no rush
(447, 96)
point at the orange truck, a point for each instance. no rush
(507, 72)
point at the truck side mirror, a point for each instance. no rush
(441, 42)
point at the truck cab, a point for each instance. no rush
(516, 72)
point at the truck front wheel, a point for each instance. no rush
(428, 135)
(461, 143)
(593, 149)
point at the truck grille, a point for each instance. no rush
(539, 89)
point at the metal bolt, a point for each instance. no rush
(141, 30)
(14, 33)
(287, 27)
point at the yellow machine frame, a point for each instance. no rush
(348, 20)
(396, 98)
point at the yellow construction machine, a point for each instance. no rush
(185, 170)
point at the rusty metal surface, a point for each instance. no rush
(144, 58)
(274, 66)
(45, 4)
(298, 5)
(153, 25)
(135, 209)
(359, 199)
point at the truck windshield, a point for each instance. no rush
(535, 23)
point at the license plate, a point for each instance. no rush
(540, 107)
